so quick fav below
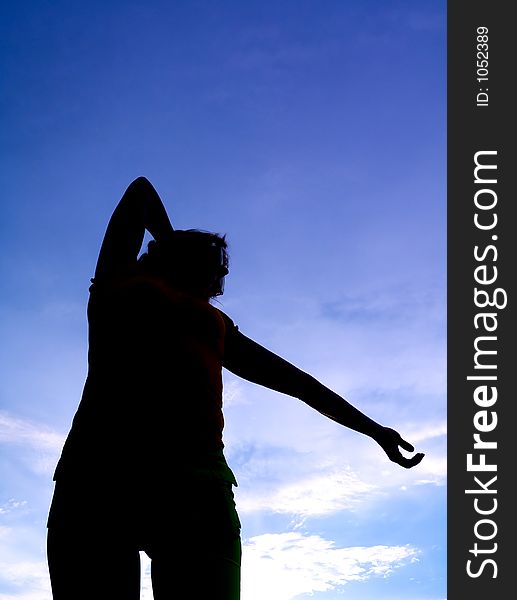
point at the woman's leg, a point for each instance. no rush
(88, 564)
(200, 570)
(197, 546)
(92, 551)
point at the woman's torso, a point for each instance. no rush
(152, 401)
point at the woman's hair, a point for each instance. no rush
(189, 256)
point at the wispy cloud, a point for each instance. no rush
(29, 580)
(282, 566)
(275, 566)
(233, 394)
(14, 430)
(274, 442)
(428, 432)
(333, 488)
(314, 496)
(40, 442)
(11, 505)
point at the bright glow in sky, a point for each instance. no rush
(314, 135)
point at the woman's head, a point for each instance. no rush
(192, 260)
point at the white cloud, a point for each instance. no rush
(11, 505)
(233, 393)
(304, 464)
(23, 567)
(314, 496)
(282, 566)
(381, 348)
(30, 579)
(333, 489)
(18, 431)
(427, 432)
(435, 471)
(42, 443)
(146, 589)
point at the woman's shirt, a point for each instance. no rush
(152, 401)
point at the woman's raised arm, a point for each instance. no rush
(140, 208)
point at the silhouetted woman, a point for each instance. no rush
(143, 466)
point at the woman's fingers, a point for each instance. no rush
(392, 442)
(411, 462)
(406, 445)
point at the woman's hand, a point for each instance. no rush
(390, 441)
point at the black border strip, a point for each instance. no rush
(481, 127)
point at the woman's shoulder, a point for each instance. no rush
(229, 324)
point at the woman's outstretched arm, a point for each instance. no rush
(140, 208)
(253, 362)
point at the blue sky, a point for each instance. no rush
(314, 135)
